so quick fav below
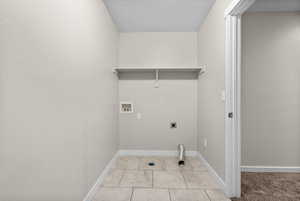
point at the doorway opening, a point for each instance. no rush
(262, 94)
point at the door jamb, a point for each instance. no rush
(233, 95)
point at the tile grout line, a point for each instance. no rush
(131, 197)
(163, 164)
(139, 164)
(169, 195)
(207, 194)
(123, 174)
(184, 179)
(152, 178)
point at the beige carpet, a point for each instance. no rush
(270, 187)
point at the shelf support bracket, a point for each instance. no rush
(115, 71)
(202, 70)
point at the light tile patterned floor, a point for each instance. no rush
(137, 178)
(132, 179)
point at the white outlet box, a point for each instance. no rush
(205, 143)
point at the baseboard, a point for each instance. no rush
(269, 169)
(95, 188)
(137, 152)
(219, 180)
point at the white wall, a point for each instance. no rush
(211, 108)
(174, 49)
(271, 89)
(57, 117)
(174, 100)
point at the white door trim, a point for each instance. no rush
(233, 95)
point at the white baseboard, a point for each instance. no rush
(219, 180)
(95, 188)
(137, 152)
(269, 169)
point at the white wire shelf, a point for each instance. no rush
(155, 69)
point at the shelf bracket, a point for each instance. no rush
(115, 71)
(202, 70)
(156, 78)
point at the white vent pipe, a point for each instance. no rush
(181, 154)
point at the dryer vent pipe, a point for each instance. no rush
(181, 154)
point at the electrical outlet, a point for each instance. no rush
(173, 125)
(205, 143)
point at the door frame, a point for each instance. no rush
(233, 95)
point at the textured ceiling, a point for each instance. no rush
(275, 5)
(158, 15)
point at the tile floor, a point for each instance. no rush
(132, 179)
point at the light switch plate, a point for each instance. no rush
(205, 143)
(223, 95)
